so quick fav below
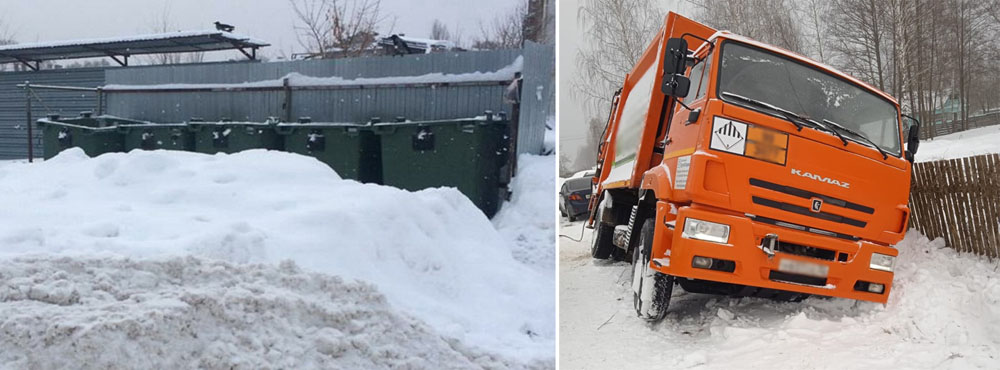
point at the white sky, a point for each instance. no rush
(572, 115)
(269, 20)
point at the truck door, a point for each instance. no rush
(682, 130)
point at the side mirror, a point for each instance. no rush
(912, 139)
(674, 62)
(675, 58)
(677, 86)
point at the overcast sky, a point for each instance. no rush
(269, 20)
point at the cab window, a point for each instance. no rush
(699, 80)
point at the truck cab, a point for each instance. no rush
(734, 167)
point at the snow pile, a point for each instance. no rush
(527, 221)
(299, 80)
(114, 313)
(943, 313)
(976, 141)
(432, 253)
(549, 142)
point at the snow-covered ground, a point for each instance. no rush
(961, 144)
(455, 288)
(943, 313)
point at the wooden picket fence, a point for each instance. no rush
(959, 200)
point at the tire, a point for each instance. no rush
(601, 246)
(646, 282)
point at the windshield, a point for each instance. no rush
(754, 73)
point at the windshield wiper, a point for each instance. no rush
(790, 116)
(862, 137)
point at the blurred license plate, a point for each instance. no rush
(586, 196)
(803, 268)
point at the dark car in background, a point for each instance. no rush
(574, 196)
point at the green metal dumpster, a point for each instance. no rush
(95, 135)
(467, 154)
(151, 136)
(232, 137)
(352, 150)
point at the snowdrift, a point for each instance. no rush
(943, 313)
(976, 141)
(114, 313)
(432, 253)
(526, 221)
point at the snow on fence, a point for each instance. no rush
(959, 200)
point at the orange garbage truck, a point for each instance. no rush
(729, 166)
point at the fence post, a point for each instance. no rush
(288, 99)
(27, 109)
(100, 101)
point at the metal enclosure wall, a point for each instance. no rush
(538, 96)
(13, 125)
(353, 105)
(345, 105)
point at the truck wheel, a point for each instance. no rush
(650, 289)
(601, 246)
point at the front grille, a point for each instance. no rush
(806, 212)
(806, 194)
(790, 225)
(807, 251)
(795, 278)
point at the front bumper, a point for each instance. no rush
(673, 254)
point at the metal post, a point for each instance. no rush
(100, 101)
(515, 122)
(288, 99)
(31, 139)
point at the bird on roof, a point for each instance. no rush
(224, 27)
(399, 46)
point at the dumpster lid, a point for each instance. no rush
(109, 121)
(321, 124)
(477, 119)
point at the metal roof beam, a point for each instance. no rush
(122, 62)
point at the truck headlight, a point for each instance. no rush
(704, 230)
(882, 262)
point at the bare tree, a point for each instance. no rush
(439, 31)
(506, 31)
(348, 27)
(6, 38)
(813, 13)
(770, 21)
(619, 31)
(162, 23)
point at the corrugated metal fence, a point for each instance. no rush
(357, 104)
(538, 94)
(337, 105)
(13, 130)
(959, 200)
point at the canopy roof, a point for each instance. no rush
(120, 48)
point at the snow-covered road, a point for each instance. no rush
(943, 313)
